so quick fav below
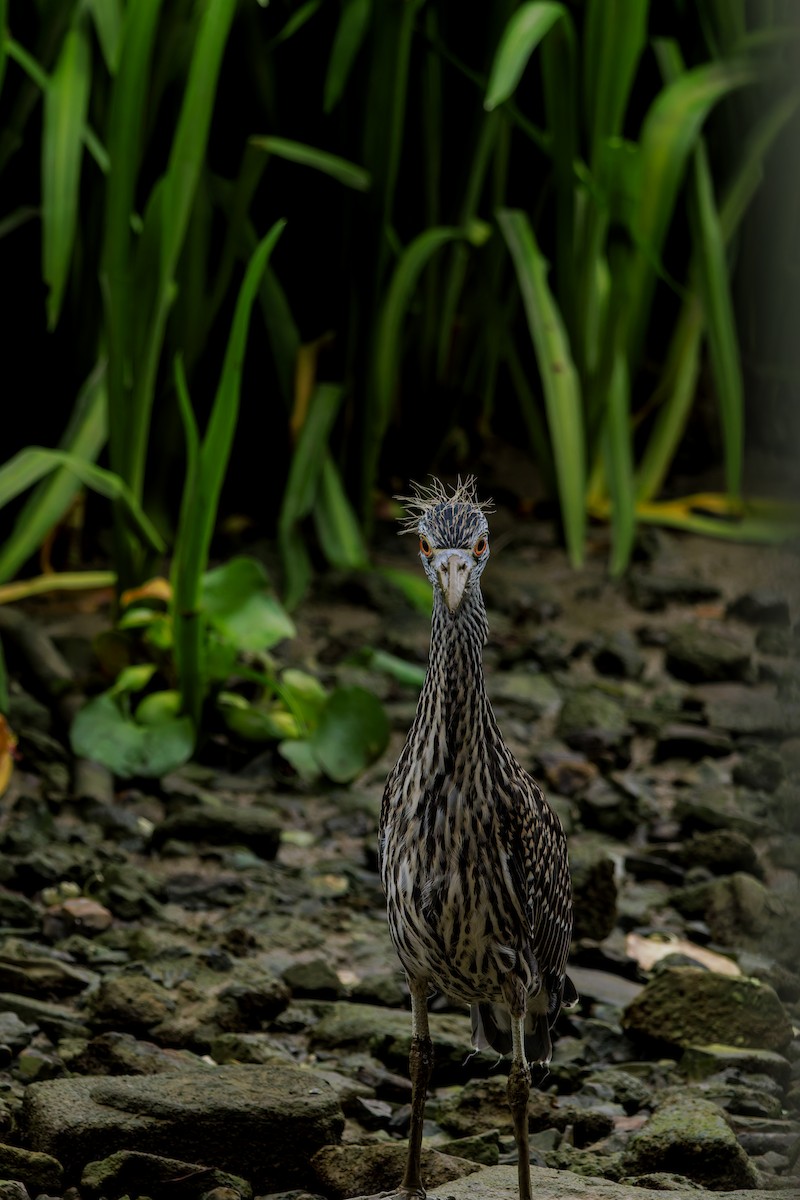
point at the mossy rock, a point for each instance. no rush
(690, 1136)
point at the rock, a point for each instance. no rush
(116, 1053)
(684, 1006)
(131, 1002)
(343, 1171)
(77, 914)
(594, 890)
(386, 1034)
(618, 1086)
(721, 851)
(54, 1019)
(479, 1148)
(134, 1173)
(479, 1107)
(223, 825)
(535, 694)
(618, 654)
(712, 806)
(12, 1189)
(754, 710)
(603, 987)
(314, 978)
(760, 607)
(690, 1136)
(39, 1172)
(652, 592)
(700, 653)
(17, 911)
(564, 771)
(761, 769)
(608, 808)
(692, 742)
(739, 910)
(261, 1122)
(594, 723)
(699, 1062)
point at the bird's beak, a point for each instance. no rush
(453, 569)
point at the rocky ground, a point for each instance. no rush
(199, 997)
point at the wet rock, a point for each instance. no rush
(684, 1006)
(594, 723)
(133, 1173)
(131, 1002)
(748, 710)
(23, 968)
(619, 655)
(715, 806)
(700, 1062)
(562, 770)
(386, 1033)
(14, 1033)
(223, 825)
(479, 1107)
(480, 1148)
(652, 592)
(721, 851)
(17, 911)
(609, 809)
(55, 1020)
(603, 987)
(691, 742)
(39, 1172)
(738, 910)
(703, 653)
(261, 1122)
(594, 890)
(594, 1165)
(761, 769)
(76, 914)
(314, 978)
(387, 989)
(116, 1053)
(343, 1171)
(12, 1189)
(620, 1087)
(690, 1136)
(531, 692)
(760, 607)
(258, 1048)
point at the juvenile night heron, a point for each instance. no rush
(473, 860)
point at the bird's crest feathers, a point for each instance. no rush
(424, 499)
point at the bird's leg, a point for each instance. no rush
(519, 1086)
(420, 1063)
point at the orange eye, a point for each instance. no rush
(480, 547)
(425, 547)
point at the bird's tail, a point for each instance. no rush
(491, 1026)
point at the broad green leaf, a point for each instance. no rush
(133, 679)
(158, 707)
(407, 673)
(413, 586)
(47, 504)
(66, 103)
(353, 731)
(559, 378)
(32, 464)
(104, 734)
(308, 156)
(526, 28)
(350, 32)
(253, 723)
(300, 755)
(304, 695)
(237, 599)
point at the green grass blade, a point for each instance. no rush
(3, 48)
(350, 33)
(337, 526)
(720, 320)
(523, 33)
(32, 464)
(84, 438)
(308, 156)
(66, 103)
(389, 343)
(187, 566)
(302, 486)
(618, 455)
(296, 21)
(615, 36)
(560, 381)
(108, 16)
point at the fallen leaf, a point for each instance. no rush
(647, 951)
(8, 744)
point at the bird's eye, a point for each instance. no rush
(425, 547)
(480, 547)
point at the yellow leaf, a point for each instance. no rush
(7, 746)
(155, 589)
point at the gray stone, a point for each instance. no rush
(692, 742)
(17, 911)
(685, 1006)
(740, 911)
(260, 1122)
(653, 592)
(533, 693)
(713, 806)
(760, 768)
(55, 1019)
(594, 723)
(619, 654)
(223, 825)
(131, 1002)
(130, 1172)
(740, 709)
(386, 1034)
(699, 653)
(343, 1171)
(594, 889)
(479, 1148)
(721, 851)
(39, 1172)
(699, 1062)
(115, 1053)
(691, 1137)
(12, 1189)
(314, 978)
(760, 607)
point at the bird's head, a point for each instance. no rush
(453, 537)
